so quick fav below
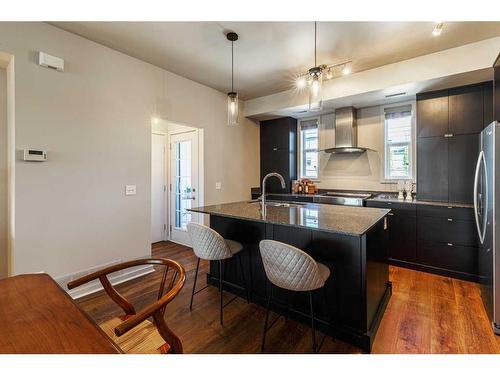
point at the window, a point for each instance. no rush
(308, 148)
(398, 143)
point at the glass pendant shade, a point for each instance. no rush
(232, 109)
(315, 86)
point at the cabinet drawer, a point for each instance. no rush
(447, 212)
(397, 208)
(446, 230)
(455, 258)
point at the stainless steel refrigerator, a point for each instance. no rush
(487, 208)
(487, 214)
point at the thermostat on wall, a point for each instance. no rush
(35, 155)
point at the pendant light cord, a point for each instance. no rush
(232, 66)
(314, 43)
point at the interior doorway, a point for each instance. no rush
(176, 180)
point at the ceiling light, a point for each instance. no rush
(316, 77)
(346, 70)
(329, 74)
(438, 29)
(301, 82)
(232, 97)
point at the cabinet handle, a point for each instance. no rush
(390, 214)
(449, 244)
(275, 148)
(448, 135)
(450, 207)
(450, 220)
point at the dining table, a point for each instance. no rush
(38, 317)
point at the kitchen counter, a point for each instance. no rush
(393, 198)
(329, 218)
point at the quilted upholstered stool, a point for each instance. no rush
(209, 245)
(292, 269)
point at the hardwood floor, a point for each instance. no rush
(426, 314)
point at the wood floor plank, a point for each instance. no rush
(426, 314)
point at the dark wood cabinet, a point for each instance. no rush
(466, 110)
(462, 151)
(488, 105)
(432, 169)
(448, 125)
(278, 140)
(432, 238)
(432, 114)
(402, 224)
(447, 256)
(447, 240)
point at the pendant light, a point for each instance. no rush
(315, 82)
(232, 97)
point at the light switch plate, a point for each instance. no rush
(130, 190)
(218, 185)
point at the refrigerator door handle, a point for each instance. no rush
(481, 231)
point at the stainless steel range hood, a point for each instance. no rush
(346, 133)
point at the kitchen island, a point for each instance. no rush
(351, 241)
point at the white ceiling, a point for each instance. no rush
(269, 54)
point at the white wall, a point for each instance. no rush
(95, 121)
(3, 173)
(356, 171)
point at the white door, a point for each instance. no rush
(184, 183)
(158, 187)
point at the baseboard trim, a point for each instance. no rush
(95, 286)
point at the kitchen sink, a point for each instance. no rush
(279, 203)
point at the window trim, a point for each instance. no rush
(299, 147)
(413, 143)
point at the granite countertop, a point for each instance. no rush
(348, 220)
(393, 198)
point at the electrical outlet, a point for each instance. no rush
(218, 185)
(130, 190)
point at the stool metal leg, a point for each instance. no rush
(267, 317)
(194, 284)
(221, 273)
(243, 277)
(312, 322)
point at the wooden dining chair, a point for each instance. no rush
(134, 332)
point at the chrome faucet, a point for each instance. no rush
(263, 196)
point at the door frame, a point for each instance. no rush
(201, 185)
(165, 180)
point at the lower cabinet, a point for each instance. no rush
(448, 256)
(433, 238)
(402, 223)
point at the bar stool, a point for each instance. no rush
(292, 269)
(209, 245)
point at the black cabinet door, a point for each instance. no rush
(402, 237)
(277, 134)
(432, 169)
(432, 114)
(466, 110)
(278, 160)
(463, 151)
(488, 104)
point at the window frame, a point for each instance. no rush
(301, 151)
(412, 143)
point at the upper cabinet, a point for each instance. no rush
(448, 124)
(432, 114)
(278, 140)
(461, 110)
(466, 110)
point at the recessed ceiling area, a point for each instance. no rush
(268, 55)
